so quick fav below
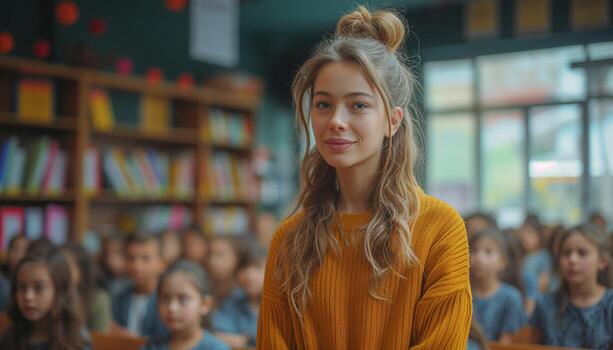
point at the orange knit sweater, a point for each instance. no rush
(430, 309)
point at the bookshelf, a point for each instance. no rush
(133, 148)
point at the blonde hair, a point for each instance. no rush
(369, 40)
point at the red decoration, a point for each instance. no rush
(6, 42)
(155, 75)
(42, 49)
(97, 26)
(66, 12)
(124, 66)
(185, 81)
(176, 5)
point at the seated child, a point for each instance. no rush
(236, 319)
(184, 299)
(497, 306)
(43, 306)
(580, 313)
(134, 308)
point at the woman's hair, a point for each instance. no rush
(369, 40)
(65, 323)
(87, 283)
(195, 273)
(601, 243)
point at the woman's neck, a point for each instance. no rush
(355, 187)
(586, 294)
(40, 331)
(485, 287)
(187, 338)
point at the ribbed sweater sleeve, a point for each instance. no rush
(274, 320)
(444, 312)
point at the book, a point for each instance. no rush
(57, 182)
(155, 114)
(8, 148)
(91, 171)
(11, 224)
(34, 222)
(37, 161)
(16, 171)
(101, 110)
(35, 99)
(56, 223)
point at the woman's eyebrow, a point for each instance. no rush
(351, 94)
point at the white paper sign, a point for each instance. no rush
(214, 31)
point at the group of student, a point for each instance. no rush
(554, 280)
(179, 290)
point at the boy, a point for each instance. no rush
(236, 319)
(135, 307)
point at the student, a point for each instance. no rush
(497, 306)
(44, 307)
(184, 299)
(134, 308)
(112, 264)
(478, 222)
(95, 302)
(580, 313)
(171, 247)
(18, 245)
(194, 246)
(537, 264)
(369, 260)
(266, 223)
(222, 263)
(236, 320)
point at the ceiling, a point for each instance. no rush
(272, 16)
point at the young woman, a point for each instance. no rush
(369, 261)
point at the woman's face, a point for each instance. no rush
(348, 117)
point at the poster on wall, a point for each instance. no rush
(532, 16)
(214, 32)
(481, 19)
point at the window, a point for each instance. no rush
(451, 159)
(512, 140)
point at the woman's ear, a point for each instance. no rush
(395, 119)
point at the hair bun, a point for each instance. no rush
(384, 26)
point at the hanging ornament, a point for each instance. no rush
(185, 81)
(124, 66)
(6, 42)
(97, 26)
(176, 5)
(155, 75)
(66, 12)
(42, 49)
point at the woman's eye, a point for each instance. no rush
(322, 105)
(360, 105)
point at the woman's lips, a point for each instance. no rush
(339, 145)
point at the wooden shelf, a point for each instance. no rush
(230, 202)
(66, 197)
(75, 127)
(109, 198)
(58, 123)
(177, 136)
(229, 147)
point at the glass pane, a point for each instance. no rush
(451, 160)
(531, 76)
(600, 51)
(448, 84)
(555, 163)
(502, 152)
(601, 158)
